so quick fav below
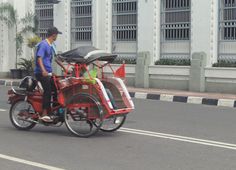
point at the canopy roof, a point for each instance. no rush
(86, 55)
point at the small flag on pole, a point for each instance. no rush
(120, 72)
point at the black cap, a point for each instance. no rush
(53, 30)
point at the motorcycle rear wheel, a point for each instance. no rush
(20, 115)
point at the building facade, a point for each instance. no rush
(164, 28)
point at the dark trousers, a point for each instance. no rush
(48, 87)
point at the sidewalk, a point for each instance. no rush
(214, 99)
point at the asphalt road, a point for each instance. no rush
(156, 136)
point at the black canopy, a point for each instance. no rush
(86, 55)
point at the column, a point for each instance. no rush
(62, 22)
(157, 32)
(214, 31)
(61, 13)
(201, 33)
(99, 24)
(108, 26)
(149, 28)
(197, 72)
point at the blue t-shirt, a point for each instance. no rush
(46, 52)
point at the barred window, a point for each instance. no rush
(81, 20)
(176, 19)
(124, 22)
(228, 20)
(44, 13)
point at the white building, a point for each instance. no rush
(7, 36)
(164, 28)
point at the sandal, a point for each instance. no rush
(46, 119)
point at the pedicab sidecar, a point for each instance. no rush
(110, 93)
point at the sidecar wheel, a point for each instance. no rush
(83, 110)
(112, 124)
(19, 113)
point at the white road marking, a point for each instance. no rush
(2, 110)
(39, 165)
(180, 138)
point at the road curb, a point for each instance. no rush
(185, 99)
(162, 97)
(9, 82)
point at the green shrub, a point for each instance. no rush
(125, 60)
(224, 63)
(26, 64)
(179, 62)
(33, 41)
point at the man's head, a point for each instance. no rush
(52, 33)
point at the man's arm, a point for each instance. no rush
(40, 62)
(39, 58)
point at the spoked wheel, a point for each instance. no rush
(113, 123)
(83, 112)
(20, 115)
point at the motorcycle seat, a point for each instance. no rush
(20, 91)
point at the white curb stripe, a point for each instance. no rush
(226, 102)
(194, 100)
(29, 162)
(180, 138)
(166, 97)
(2, 110)
(140, 95)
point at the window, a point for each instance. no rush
(227, 30)
(124, 22)
(44, 13)
(81, 20)
(176, 19)
(228, 20)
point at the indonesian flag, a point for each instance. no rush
(120, 72)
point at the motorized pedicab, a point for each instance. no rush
(86, 103)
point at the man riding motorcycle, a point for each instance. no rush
(43, 69)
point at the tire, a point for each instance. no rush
(17, 120)
(82, 112)
(111, 124)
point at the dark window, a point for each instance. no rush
(81, 20)
(124, 22)
(176, 19)
(228, 21)
(44, 13)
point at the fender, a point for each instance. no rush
(13, 96)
